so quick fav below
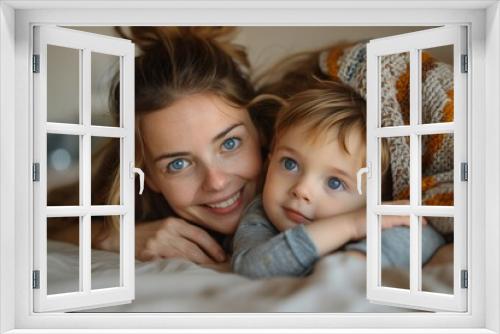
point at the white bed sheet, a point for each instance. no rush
(338, 284)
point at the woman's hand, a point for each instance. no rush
(358, 218)
(176, 238)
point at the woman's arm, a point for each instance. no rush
(176, 238)
(164, 238)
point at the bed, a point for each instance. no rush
(337, 284)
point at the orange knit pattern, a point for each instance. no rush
(428, 63)
(428, 182)
(403, 94)
(440, 199)
(404, 194)
(332, 61)
(448, 108)
(403, 86)
(435, 141)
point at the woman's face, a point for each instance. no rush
(203, 155)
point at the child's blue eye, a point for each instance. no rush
(335, 183)
(231, 144)
(178, 165)
(289, 164)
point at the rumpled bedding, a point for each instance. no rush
(337, 284)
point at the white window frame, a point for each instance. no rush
(414, 44)
(84, 44)
(16, 19)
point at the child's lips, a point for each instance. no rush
(296, 216)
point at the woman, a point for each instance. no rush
(196, 141)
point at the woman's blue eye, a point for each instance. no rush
(231, 143)
(335, 183)
(289, 164)
(177, 165)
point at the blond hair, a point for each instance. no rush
(327, 108)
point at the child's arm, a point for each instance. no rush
(261, 251)
(395, 246)
(332, 233)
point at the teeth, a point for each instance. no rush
(226, 203)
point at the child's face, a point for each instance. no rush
(306, 182)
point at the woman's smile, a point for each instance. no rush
(227, 204)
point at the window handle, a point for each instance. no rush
(135, 170)
(365, 170)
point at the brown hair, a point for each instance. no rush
(174, 62)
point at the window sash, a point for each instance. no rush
(85, 43)
(412, 43)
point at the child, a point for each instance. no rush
(310, 205)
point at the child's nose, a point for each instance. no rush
(302, 192)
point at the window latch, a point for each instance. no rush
(135, 170)
(365, 170)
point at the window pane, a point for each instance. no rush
(437, 84)
(63, 260)
(437, 169)
(63, 85)
(104, 69)
(440, 264)
(106, 265)
(105, 171)
(394, 90)
(395, 160)
(395, 253)
(63, 170)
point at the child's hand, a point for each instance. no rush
(358, 219)
(358, 223)
(393, 221)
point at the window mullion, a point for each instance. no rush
(86, 242)
(415, 154)
(419, 129)
(80, 130)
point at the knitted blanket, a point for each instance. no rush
(348, 64)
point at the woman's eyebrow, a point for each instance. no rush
(170, 155)
(226, 131)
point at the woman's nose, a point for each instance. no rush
(215, 179)
(302, 191)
